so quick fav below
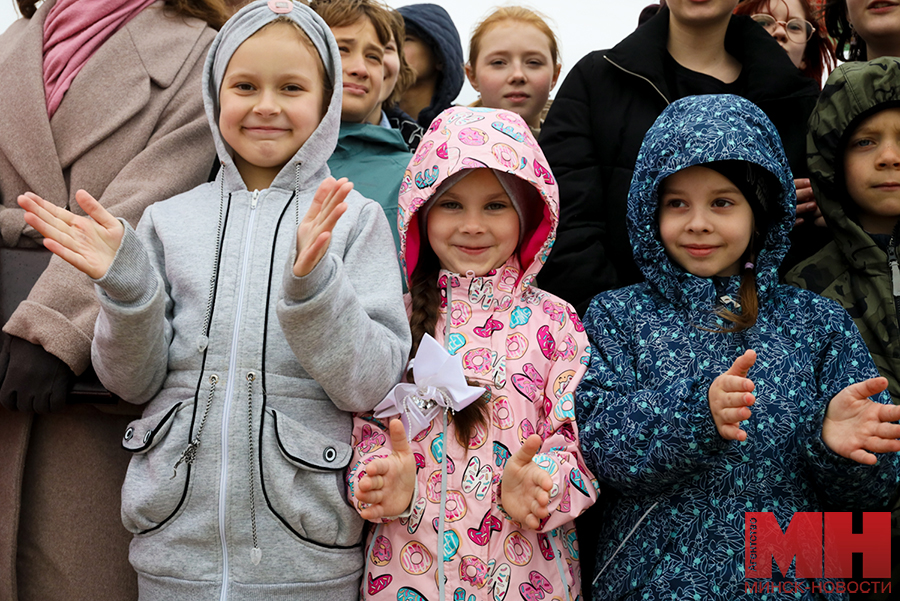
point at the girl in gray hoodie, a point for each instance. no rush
(252, 315)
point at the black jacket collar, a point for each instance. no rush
(768, 71)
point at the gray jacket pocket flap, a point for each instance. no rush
(307, 448)
(145, 433)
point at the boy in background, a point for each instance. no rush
(854, 162)
(374, 158)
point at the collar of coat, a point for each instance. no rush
(768, 71)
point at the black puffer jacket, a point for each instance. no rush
(595, 128)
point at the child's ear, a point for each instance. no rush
(470, 75)
(556, 75)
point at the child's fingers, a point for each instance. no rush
(319, 198)
(398, 436)
(530, 448)
(730, 431)
(734, 399)
(742, 364)
(877, 444)
(331, 219)
(734, 415)
(542, 480)
(735, 384)
(864, 457)
(889, 413)
(867, 388)
(370, 483)
(46, 212)
(98, 213)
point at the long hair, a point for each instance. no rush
(838, 25)
(213, 12)
(819, 54)
(749, 297)
(425, 303)
(519, 14)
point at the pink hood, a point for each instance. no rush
(471, 138)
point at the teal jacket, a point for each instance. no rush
(374, 158)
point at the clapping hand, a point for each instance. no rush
(730, 399)
(88, 243)
(855, 426)
(315, 229)
(525, 487)
(389, 482)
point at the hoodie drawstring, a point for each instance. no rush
(190, 451)
(255, 552)
(189, 454)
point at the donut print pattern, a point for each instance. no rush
(528, 349)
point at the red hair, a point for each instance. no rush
(819, 53)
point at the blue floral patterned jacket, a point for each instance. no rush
(677, 530)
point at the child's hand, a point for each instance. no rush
(315, 229)
(390, 482)
(729, 397)
(855, 426)
(525, 487)
(88, 243)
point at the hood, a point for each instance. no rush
(853, 92)
(693, 131)
(433, 24)
(463, 138)
(313, 155)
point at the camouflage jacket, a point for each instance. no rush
(853, 269)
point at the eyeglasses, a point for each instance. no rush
(797, 30)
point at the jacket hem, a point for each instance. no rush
(163, 588)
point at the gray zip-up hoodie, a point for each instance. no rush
(235, 489)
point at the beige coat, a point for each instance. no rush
(131, 130)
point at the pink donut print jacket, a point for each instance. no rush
(530, 349)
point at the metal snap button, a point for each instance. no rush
(129, 433)
(330, 454)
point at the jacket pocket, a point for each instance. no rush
(302, 474)
(154, 490)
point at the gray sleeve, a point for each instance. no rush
(131, 336)
(346, 321)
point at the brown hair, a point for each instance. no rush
(749, 297)
(819, 53)
(512, 13)
(425, 301)
(213, 12)
(406, 76)
(340, 13)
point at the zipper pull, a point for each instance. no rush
(253, 200)
(895, 277)
(187, 456)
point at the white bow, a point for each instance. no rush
(438, 382)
